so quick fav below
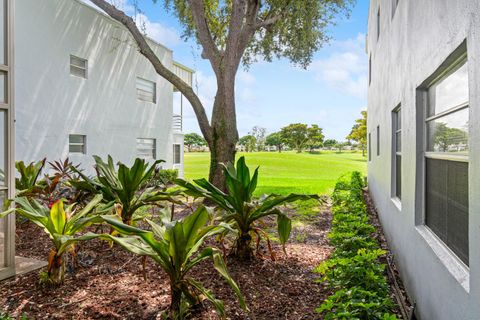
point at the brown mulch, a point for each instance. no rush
(108, 282)
(405, 308)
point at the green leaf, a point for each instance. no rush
(58, 216)
(218, 304)
(284, 225)
(192, 224)
(220, 266)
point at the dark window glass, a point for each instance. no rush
(177, 154)
(447, 203)
(398, 178)
(378, 140)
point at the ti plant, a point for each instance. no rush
(62, 224)
(29, 174)
(174, 247)
(125, 186)
(241, 210)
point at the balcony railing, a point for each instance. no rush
(177, 123)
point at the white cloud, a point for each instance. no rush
(246, 78)
(163, 34)
(346, 69)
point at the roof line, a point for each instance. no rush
(97, 11)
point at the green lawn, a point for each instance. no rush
(288, 172)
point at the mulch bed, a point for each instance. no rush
(404, 308)
(109, 284)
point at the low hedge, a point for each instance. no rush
(354, 272)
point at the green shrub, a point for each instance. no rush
(163, 178)
(354, 273)
(239, 209)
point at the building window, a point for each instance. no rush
(378, 141)
(447, 157)
(369, 147)
(397, 153)
(77, 143)
(146, 90)
(370, 70)
(394, 6)
(378, 24)
(147, 148)
(78, 67)
(177, 155)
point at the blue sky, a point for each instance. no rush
(330, 93)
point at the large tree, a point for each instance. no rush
(229, 33)
(259, 134)
(295, 135)
(315, 137)
(275, 139)
(193, 140)
(359, 132)
(249, 142)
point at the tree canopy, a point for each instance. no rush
(359, 132)
(231, 32)
(249, 142)
(275, 139)
(299, 135)
(194, 140)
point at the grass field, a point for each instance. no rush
(288, 172)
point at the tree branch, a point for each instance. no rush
(210, 50)
(163, 71)
(272, 18)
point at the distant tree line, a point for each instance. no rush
(295, 136)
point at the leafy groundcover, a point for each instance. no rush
(353, 272)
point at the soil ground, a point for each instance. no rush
(108, 282)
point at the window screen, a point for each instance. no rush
(397, 152)
(146, 148)
(78, 67)
(77, 143)
(378, 140)
(446, 164)
(177, 154)
(146, 90)
(378, 24)
(369, 147)
(447, 203)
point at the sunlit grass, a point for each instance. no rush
(288, 172)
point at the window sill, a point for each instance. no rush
(454, 265)
(397, 203)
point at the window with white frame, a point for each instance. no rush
(370, 70)
(378, 24)
(78, 67)
(147, 148)
(447, 157)
(369, 151)
(146, 90)
(77, 143)
(378, 141)
(177, 155)
(397, 153)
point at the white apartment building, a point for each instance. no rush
(424, 148)
(73, 84)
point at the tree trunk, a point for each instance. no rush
(176, 302)
(224, 125)
(243, 249)
(56, 269)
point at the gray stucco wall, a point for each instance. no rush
(51, 104)
(411, 47)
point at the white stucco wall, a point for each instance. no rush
(412, 46)
(51, 103)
